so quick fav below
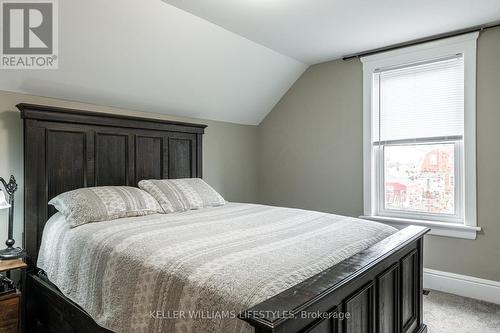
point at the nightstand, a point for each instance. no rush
(11, 304)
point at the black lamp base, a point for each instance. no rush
(12, 253)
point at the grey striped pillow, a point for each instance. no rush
(95, 204)
(178, 195)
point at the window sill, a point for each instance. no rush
(437, 228)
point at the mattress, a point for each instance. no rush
(195, 271)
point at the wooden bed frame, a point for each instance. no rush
(378, 290)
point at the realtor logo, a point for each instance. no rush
(29, 34)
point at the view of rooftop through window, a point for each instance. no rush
(420, 178)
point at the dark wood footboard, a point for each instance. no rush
(376, 290)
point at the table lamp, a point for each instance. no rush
(10, 252)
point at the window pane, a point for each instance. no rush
(420, 178)
(420, 101)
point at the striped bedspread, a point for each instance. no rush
(194, 271)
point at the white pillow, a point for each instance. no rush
(95, 204)
(178, 195)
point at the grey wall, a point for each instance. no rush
(311, 155)
(229, 152)
(310, 144)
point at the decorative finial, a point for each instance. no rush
(11, 186)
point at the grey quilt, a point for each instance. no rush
(194, 271)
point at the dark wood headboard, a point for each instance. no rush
(66, 149)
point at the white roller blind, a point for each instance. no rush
(420, 101)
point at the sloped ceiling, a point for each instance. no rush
(150, 56)
(223, 60)
(314, 31)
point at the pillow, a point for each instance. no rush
(95, 204)
(178, 195)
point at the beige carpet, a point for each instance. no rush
(445, 313)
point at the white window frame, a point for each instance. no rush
(465, 225)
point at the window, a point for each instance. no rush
(419, 136)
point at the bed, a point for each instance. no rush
(276, 269)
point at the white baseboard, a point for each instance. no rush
(463, 285)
